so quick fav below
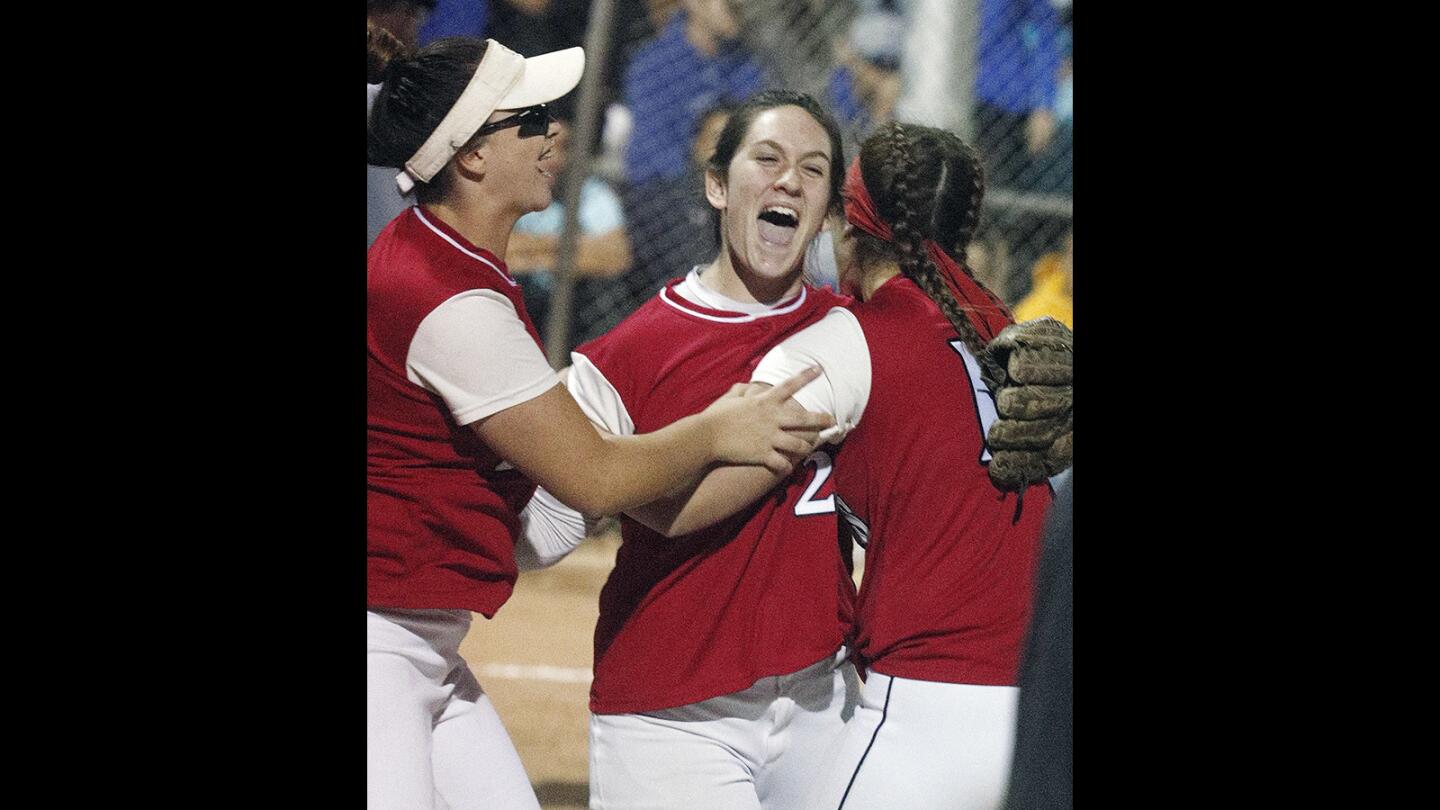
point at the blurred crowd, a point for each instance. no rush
(672, 71)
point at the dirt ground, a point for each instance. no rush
(534, 661)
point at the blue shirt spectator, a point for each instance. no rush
(1021, 45)
(455, 18)
(667, 87)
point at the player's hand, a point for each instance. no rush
(793, 408)
(753, 426)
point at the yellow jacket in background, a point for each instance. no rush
(1048, 294)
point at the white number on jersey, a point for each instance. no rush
(984, 399)
(808, 503)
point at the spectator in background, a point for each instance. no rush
(602, 251)
(536, 25)
(988, 261)
(456, 18)
(866, 80)
(393, 31)
(1021, 46)
(1051, 140)
(402, 18)
(693, 64)
(1052, 290)
(539, 26)
(670, 224)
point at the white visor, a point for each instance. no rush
(504, 80)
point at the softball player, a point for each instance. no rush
(720, 675)
(464, 413)
(944, 605)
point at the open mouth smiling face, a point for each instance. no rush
(775, 196)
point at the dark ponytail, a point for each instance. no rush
(417, 93)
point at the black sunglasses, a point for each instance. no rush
(531, 120)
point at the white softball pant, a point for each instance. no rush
(758, 748)
(922, 745)
(433, 739)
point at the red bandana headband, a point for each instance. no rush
(988, 314)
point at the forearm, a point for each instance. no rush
(723, 492)
(550, 440)
(636, 470)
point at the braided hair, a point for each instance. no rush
(927, 184)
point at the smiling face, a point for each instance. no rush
(773, 201)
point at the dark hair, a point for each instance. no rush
(416, 94)
(927, 184)
(738, 126)
(724, 108)
(384, 48)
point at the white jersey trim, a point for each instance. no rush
(684, 306)
(421, 214)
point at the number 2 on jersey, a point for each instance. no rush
(984, 398)
(808, 503)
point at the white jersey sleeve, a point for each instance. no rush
(837, 345)
(550, 529)
(597, 397)
(474, 352)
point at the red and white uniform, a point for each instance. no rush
(448, 343)
(699, 635)
(944, 603)
(443, 510)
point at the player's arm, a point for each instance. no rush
(476, 355)
(721, 493)
(550, 530)
(549, 439)
(837, 346)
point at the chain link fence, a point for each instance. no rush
(998, 72)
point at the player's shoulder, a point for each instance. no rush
(645, 334)
(898, 299)
(421, 243)
(826, 299)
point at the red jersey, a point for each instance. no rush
(949, 558)
(441, 518)
(763, 593)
